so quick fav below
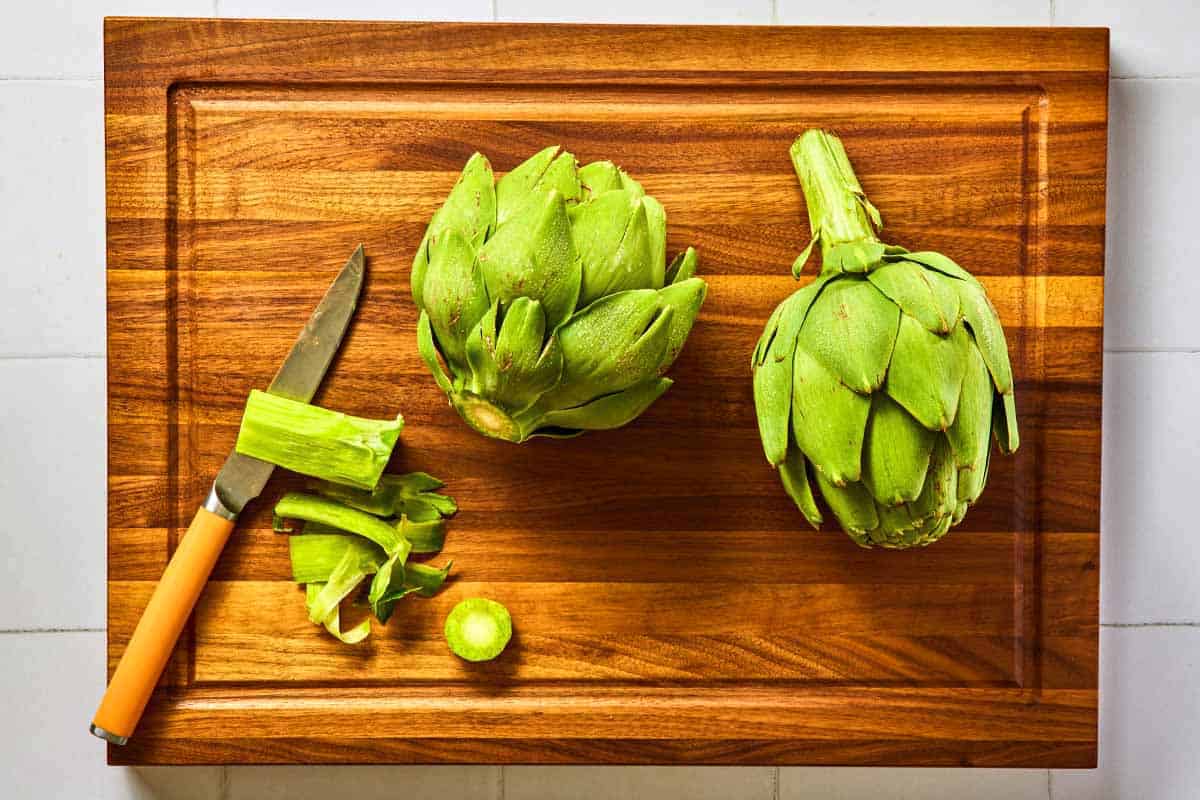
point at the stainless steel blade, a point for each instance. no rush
(242, 478)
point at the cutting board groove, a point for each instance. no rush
(670, 604)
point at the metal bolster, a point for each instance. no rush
(214, 504)
(107, 736)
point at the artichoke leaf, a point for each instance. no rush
(470, 209)
(970, 435)
(656, 223)
(533, 256)
(852, 504)
(609, 411)
(896, 452)
(829, 420)
(519, 364)
(923, 294)
(617, 341)
(388, 581)
(939, 495)
(944, 265)
(430, 354)
(545, 171)
(851, 329)
(926, 374)
(989, 335)
(684, 299)
(682, 267)
(773, 373)
(599, 177)
(805, 254)
(612, 236)
(793, 471)
(424, 579)
(455, 295)
(480, 350)
(1006, 423)
(423, 536)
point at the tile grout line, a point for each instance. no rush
(1182, 624)
(224, 792)
(51, 356)
(26, 631)
(501, 789)
(775, 783)
(1053, 12)
(1049, 785)
(775, 21)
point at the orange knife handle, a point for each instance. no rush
(157, 631)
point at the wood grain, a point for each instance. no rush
(670, 604)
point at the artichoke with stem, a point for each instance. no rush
(883, 381)
(547, 305)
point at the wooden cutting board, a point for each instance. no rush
(671, 605)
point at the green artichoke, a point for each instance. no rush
(884, 379)
(547, 305)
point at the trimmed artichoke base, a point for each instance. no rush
(487, 418)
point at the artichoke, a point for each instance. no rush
(884, 379)
(547, 305)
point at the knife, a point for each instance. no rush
(240, 480)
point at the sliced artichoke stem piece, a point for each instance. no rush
(316, 441)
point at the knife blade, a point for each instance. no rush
(239, 481)
(242, 478)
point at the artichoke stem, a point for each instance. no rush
(838, 211)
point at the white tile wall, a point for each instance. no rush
(356, 9)
(728, 12)
(1150, 37)
(52, 460)
(1149, 718)
(52, 171)
(927, 12)
(363, 783)
(64, 39)
(50, 683)
(636, 783)
(864, 783)
(1150, 560)
(52, 419)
